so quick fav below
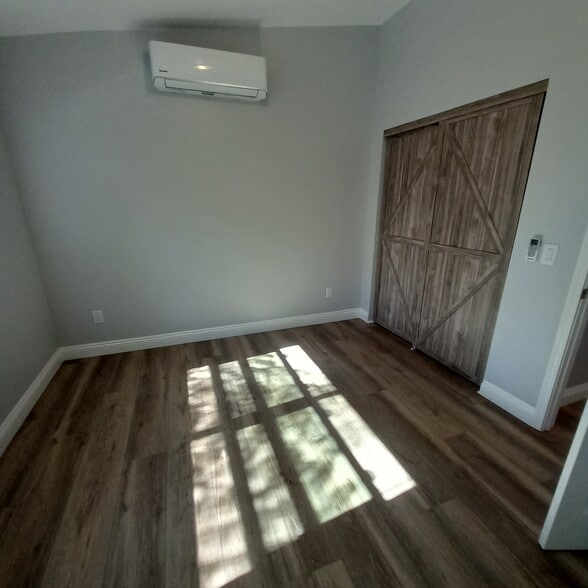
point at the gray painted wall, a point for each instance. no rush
(438, 55)
(27, 334)
(171, 212)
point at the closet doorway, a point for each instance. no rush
(453, 188)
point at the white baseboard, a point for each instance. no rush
(574, 393)
(178, 338)
(16, 417)
(10, 426)
(513, 405)
(364, 315)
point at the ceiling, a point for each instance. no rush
(25, 17)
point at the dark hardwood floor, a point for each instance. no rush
(321, 456)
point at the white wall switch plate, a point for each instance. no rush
(98, 317)
(328, 292)
(548, 253)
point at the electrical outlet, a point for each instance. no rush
(329, 292)
(98, 317)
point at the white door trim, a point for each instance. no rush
(565, 523)
(566, 343)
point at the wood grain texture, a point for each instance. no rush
(460, 295)
(473, 107)
(441, 276)
(322, 456)
(477, 200)
(410, 182)
(401, 284)
(462, 218)
(484, 166)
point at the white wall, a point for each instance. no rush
(438, 55)
(27, 334)
(171, 212)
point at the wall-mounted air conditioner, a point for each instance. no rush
(206, 72)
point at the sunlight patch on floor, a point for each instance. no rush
(237, 393)
(273, 378)
(278, 518)
(202, 399)
(309, 373)
(387, 474)
(319, 443)
(220, 535)
(330, 481)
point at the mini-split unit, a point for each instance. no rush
(207, 72)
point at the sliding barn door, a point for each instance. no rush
(452, 198)
(412, 164)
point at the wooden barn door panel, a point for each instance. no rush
(476, 202)
(484, 163)
(450, 280)
(456, 342)
(409, 186)
(451, 201)
(459, 289)
(401, 286)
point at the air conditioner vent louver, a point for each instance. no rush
(207, 72)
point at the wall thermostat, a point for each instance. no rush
(534, 246)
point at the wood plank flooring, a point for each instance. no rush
(322, 456)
